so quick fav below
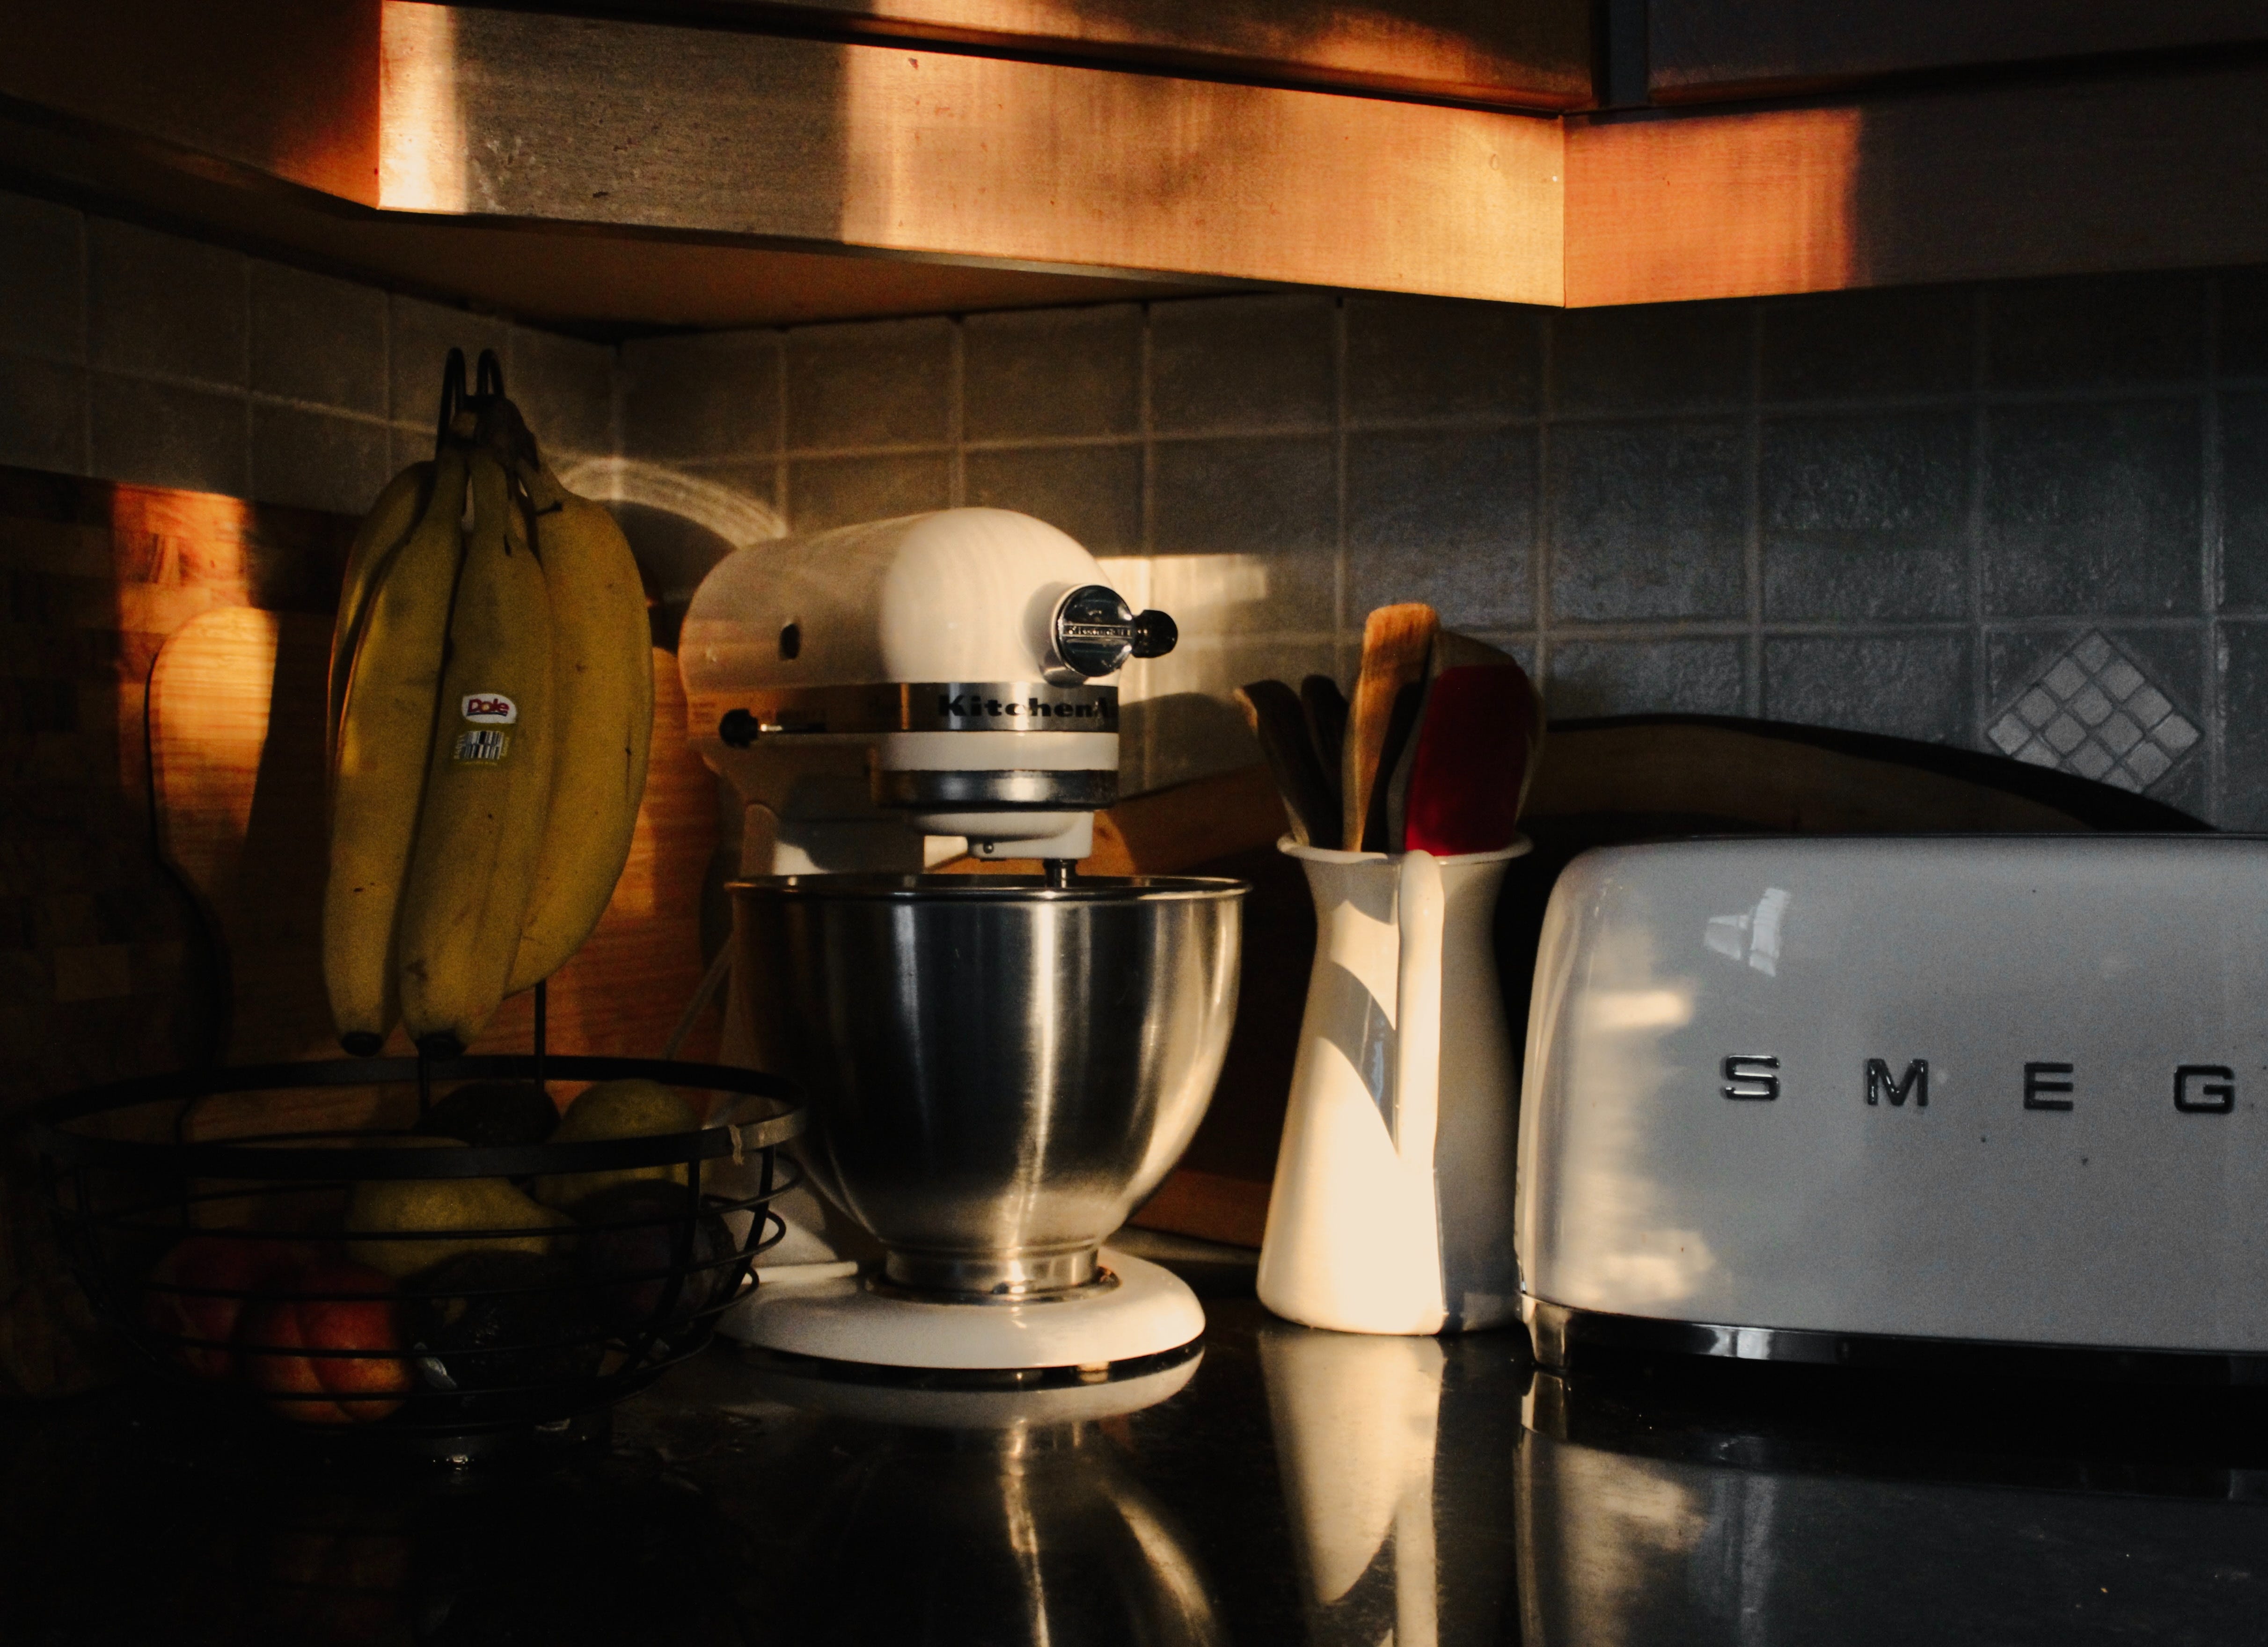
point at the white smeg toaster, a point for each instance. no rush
(1841, 1099)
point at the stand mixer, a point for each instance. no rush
(1000, 1067)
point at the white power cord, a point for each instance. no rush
(711, 981)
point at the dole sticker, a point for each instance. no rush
(490, 709)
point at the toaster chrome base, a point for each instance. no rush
(1566, 1339)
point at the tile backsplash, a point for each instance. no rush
(1896, 511)
(131, 354)
(1914, 511)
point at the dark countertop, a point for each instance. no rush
(1302, 1487)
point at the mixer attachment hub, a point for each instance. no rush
(951, 1281)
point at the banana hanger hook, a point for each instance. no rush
(453, 398)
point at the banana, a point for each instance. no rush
(386, 727)
(602, 709)
(384, 530)
(487, 783)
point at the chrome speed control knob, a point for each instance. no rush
(1155, 635)
(1096, 632)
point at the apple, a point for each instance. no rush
(197, 1293)
(631, 1252)
(329, 1354)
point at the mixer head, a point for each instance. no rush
(938, 674)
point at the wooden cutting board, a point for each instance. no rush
(236, 767)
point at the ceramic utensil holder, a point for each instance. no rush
(1392, 1205)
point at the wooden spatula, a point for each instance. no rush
(1397, 641)
(1273, 709)
(1474, 755)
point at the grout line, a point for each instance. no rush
(86, 346)
(1980, 457)
(956, 417)
(1546, 398)
(1856, 406)
(1738, 629)
(1145, 424)
(251, 397)
(2211, 573)
(1764, 410)
(1144, 435)
(1052, 443)
(1259, 431)
(1785, 628)
(782, 476)
(614, 386)
(1752, 546)
(386, 353)
(1342, 574)
(252, 482)
(814, 455)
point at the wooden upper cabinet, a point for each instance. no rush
(709, 161)
(1702, 50)
(285, 88)
(1515, 54)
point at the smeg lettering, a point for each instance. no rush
(2204, 1089)
(2042, 1081)
(1914, 1084)
(1751, 1075)
(2200, 1089)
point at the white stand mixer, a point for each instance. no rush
(1000, 1067)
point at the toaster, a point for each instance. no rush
(1860, 1100)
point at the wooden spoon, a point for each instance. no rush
(1397, 641)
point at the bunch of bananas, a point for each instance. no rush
(490, 707)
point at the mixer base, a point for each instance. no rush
(1150, 1311)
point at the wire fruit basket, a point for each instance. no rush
(323, 1240)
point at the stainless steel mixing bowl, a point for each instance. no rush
(999, 1070)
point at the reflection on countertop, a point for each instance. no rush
(1290, 1486)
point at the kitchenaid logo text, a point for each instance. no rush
(2200, 1089)
(967, 706)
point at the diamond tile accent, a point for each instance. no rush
(2149, 764)
(2092, 710)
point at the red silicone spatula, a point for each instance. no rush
(1476, 749)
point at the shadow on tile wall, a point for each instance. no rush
(130, 354)
(1900, 512)
(1897, 511)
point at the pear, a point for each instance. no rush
(615, 1109)
(405, 1225)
